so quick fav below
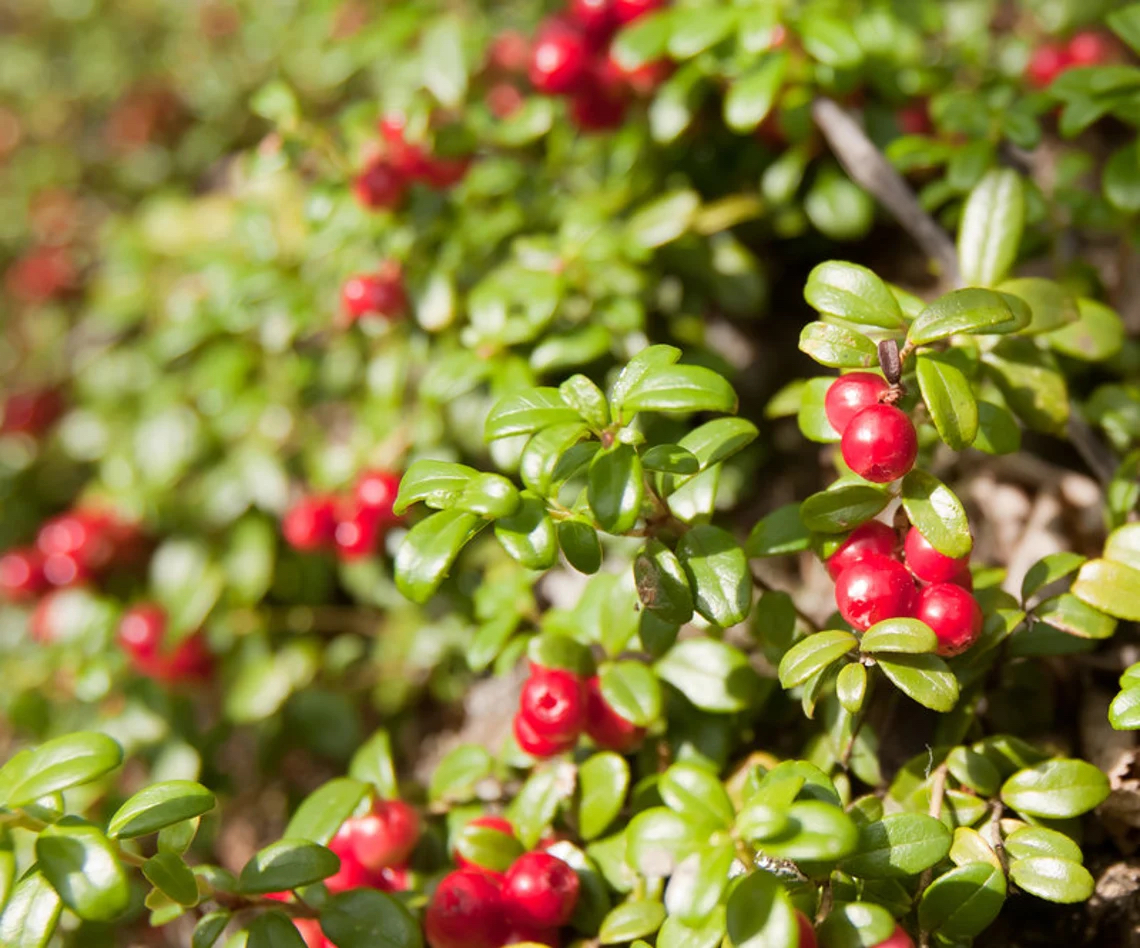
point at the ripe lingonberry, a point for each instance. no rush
(536, 745)
(627, 11)
(310, 524)
(807, 933)
(351, 874)
(509, 52)
(504, 100)
(497, 823)
(466, 911)
(606, 728)
(953, 614)
(559, 59)
(872, 537)
(874, 589)
(40, 275)
(142, 634)
(898, 939)
(377, 294)
(22, 574)
(553, 702)
(880, 444)
(931, 566)
(443, 173)
(31, 413)
(357, 531)
(540, 890)
(523, 934)
(310, 931)
(1090, 49)
(1047, 63)
(379, 185)
(594, 16)
(595, 108)
(83, 536)
(849, 395)
(377, 491)
(385, 837)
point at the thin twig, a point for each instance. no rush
(870, 169)
(937, 796)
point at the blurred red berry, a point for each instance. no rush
(931, 566)
(1046, 63)
(358, 531)
(466, 911)
(850, 394)
(352, 874)
(385, 837)
(627, 11)
(310, 931)
(914, 118)
(522, 934)
(79, 541)
(594, 16)
(499, 825)
(40, 275)
(504, 100)
(1091, 49)
(536, 745)
(22, 574)
(443, 173)
(806, 932)
(142, 634)
(643, 80)
(553, 702)
(870, 538)
(880, 444)
(953, 614)
(599, 104)
(898, 939)
(377, 490)
(540, 891)
(606, 728)
(509, 52)
(310, 524)
(32, 412)
(377, 294)
(874, 589)
(559, 60)
(379, 185)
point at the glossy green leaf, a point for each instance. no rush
(838, 346)
(1123, 545)
(663, 219)
(636, 918)
(1124, 712)
(964, 901)
(31, 913)
(680, 388)
(170, 874)
(695, 30)
(430, 548)
(1069, 614)
(812, 415)
(488, 495)
(697, 885)
(209, 929)
(435, 483)
(1056, 789)
(966, 311)
(83, 866)
(587, 399)
(816, 831)
(670, 459)
(851, 687)
(631, 689)
(719, 439)
(526, 412)
(615, 488)
(974, 771)
(1031, 383)
(580, 545)
(854, 294)
(842, 508)
(287, 864)
(539, 465)
(923, 678)
(323, 811)
(533, 810)
(998, 432)
(949, 399)
(659, 839)
(161, 804)
(528, 534)
(990, 233)
(58, 764)
(456, 776)
(1032, 841)
(937, 513)
(1050, 303)
(662, 585)
(696, 795)
(712, 675)
(751, 97)
(1048, 570)
(909, 636)
(812, 655)
(603, 781)
(779, 533)
(273, 930)
(1111, 587)
(367, 918)
(1052, 879)
(708, 934)
(856, 925)
(760, 913)
(487, 847)
(898, 846)
(643, 41)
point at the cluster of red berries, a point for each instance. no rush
(374, 850)
(572, 56)
(350, 525)
(142, 636)
(384, 181)
(476, 907)
(1051, 59)
(556, 706)
(380, 295)
(75, 547)
(31, 412)
(878, 441)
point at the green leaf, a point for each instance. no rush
(1070, 614)
(853, 294)
(966, 311)
(697, 29)
(487, 847)
(841, 509)
(436, 483)
(83, 866)
(1055, 880)
(990, 233)
(526, 412)
(1098, 333)
(159, 805)
(998, 432)
(644, 40)
(717, 570)
(555, 649)
(1123, 545)
(587, 399)
(58, 764)
(812, 655)
(660, 839)
(209, 929)
(528, 535)
(760, 913)
(1121, 179)
(168, 873)
(679, 388)
(697, 796)
(816, 831)
(603, 782)
(718, 440)
(580, 545)
(533, 810)
(1124, 712)
(31, 914)
(636, 918)
(1033, 386)
(367, 918)
(569, 350)
(1125, 23)
(856, 925)
(441, 56)
(709, 934)
(670, 459)
(273, 929)
(1056, 789)
(698, 883)
(429, 549)
(838, 346)
(1111, 587)
(323, 811)
(1048, 570)
(663, 219)
(615, 488)
(1032, 841)
(851, 687)
(1050, 303)
(539, 465)
(662, 585)
(779, 533)
(973, 770)
(712, 675)
(831, 41)
(631, 689)
(649, 360)
(812, 415)
(287, 864)
(908, 636)
(458, 773)
(751, 97)
(837, 206)
(937, 513)
(898, 846)
(950, 400)
(924, 678)
(488, 495)
(964, 901)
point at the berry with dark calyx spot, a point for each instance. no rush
(880, 444)
(466, 911)
(540, 890)
(627, 11)
(953, 614)
(375, 294)
(1047, 63)
(605, 727)
(559, 59)
(385, 837)
(872, 537)
(379, 185)
(850, 394)
(536, 745)
(807, 933)
(898, 939)
(874, 589)
(553, 702)
(22, 574)
(1090, 49)
(358, 529)
(310, 524)
(927, 564)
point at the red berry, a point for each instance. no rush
(351, 875)
(872, 537)
(504, 100)
(553, 703)
(31, 413)
(931, 566)
(599, 103)
(310, 931)
(627, 11)
(880, 444)
(377, 491)
(443, 173)
(874, 589)
(379, 294)
(807, 933)
(559, 60)
(22, 574)
(849, 395)
(379, 185)
(41, 275)
(1047, 63)
(521, 934)
(1090, 49)
(510, 52)
(898, 939)
(466, 911)
(594, 16)
(953, 614)
(385, 837)
(606, 728)
(540, 890)
(392, 879)
(81, 541)
(357, 531)
(310, 524)
(914, 119)
(642, 80)
(142, 632)
(535, 745)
